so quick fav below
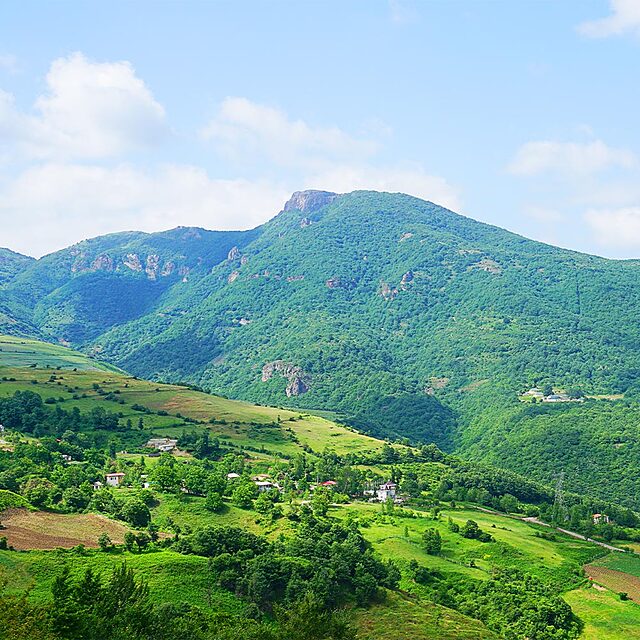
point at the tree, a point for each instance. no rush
(432, 541)
(104, 542)
(136, 513)
(470, 530)
(244, 494)
(320, 502)
(214, 502)
(129, 540)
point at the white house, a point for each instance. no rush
(97, 485)
(600, 518)
(386, 491)
(233, 476)
(114, 479)
(164, 445)
(264, 485)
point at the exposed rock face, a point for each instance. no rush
(488, 265)
(298, 380)
(333, 283)
(167, 269)
(308, 201)
(405, 236)
(387, 292)
(406, 279)
(244, 260)
(233, 254)
(233, 276)
(132, 260)
(102, 263)
(305, 222)
(152, 266)
(294, 278)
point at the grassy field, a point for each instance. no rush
(42, 530)
(22, 352)
(400, 618)
(516, 544)
(275, 431)
(172, 577)
(605, 616)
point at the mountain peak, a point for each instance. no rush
(309, 200)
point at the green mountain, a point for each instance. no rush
(409, 320)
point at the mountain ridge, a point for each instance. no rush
(410, 320)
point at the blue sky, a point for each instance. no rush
(147, 115)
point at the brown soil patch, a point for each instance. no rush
(42, 530)
(615, 580)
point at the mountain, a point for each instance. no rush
(408, 319)
(77, 294)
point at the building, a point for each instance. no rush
(386, 491)
(329, 483)
(264, 485)
(600, 518)
(163, 445)
(233, 476)
(97, 485)
(114, 479)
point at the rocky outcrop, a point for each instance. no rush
(386, 291)
(233, 276)
(308, 201)
(305, 222)
(297, 380)
(244, 260)
(488, 265)
(406, 279)
(102, 263)
(167, 269)
(233, 254)
(152, 266)
(132, 260)
(294, 278)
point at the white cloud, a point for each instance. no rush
(414, 181)
(89, 110)
(247, 132)
(615, 227)
(544, 215)
(569, 158)
(624, 18)
(59, 204)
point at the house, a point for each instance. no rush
(557, 397)
(600, 518)
(264, 485)
(261, 477)
(114, 479)
(329, 483)
(233, 476)
(163, 445)
(386, 491)
(66, 457)
(534, 393)
(97, 485)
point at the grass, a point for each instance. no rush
(172, 577)
(278, 432)
(605, 616)
(557, 561)
(625, 562)
(401, 617)
(22, 352)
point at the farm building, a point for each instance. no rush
(386, 491)
(163, 445)
(114, 479)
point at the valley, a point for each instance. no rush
(436, 587)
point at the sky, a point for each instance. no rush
(147, 115)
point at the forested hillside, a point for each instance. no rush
(409, 320)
